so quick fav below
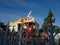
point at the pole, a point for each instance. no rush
(51, 38)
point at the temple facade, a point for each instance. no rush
(21, 22)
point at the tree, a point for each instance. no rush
(48, 20)
(2, 25)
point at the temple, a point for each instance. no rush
(21, 21)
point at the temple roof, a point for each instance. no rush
(29, 18)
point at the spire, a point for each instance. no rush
(50, 13)
(50, 17)
(29, 17)
(29, 14)
(48, 20)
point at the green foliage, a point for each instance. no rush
(56, 29)
(49, 20)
